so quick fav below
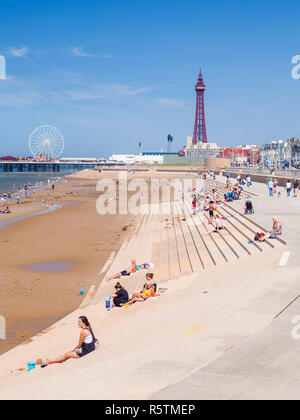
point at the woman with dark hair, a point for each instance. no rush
(121, 296)
(86, 345)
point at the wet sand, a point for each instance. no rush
(32, 300)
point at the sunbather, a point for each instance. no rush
(219, 225)
(131, 269)
(86, 345)
(6, 211)
(147, 292)
(150, 279)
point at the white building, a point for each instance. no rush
(137, 159)
(78, 160)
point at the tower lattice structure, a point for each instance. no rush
(200, 135)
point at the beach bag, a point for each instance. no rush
(259, 236)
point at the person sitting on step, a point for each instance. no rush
(146, 293)
(119, 297)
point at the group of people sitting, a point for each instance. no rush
(121, 297)
(232, 192)
(87, 341)
(205, 203)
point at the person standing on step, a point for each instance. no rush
(194, 204)
(211, 210)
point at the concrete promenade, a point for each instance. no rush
(215, 333)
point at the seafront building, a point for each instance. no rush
(280, 151)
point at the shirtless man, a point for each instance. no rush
(211, 210)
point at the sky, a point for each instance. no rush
(112, 73)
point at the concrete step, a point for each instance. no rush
(200, 244)
(194, 257)
(184, 260)
(175, 271)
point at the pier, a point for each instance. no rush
(55, 167)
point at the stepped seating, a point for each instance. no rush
(243, 222)
(180, 243)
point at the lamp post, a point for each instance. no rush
(140, 146)
(170, 141)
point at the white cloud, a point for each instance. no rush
(98, 91)
(129, 90)
(21, 99)
(170, 103)
(19, 52)
(81, 94)
(79, 52)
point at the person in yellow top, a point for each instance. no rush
(146, 293)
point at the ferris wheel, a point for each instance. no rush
(46, 143)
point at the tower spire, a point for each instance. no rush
(200, 135)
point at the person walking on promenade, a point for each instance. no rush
(288, 188)
(271, 187)
(295, 187)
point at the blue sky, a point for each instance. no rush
(111, 73)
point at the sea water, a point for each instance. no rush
(10, 182)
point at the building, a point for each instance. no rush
(281, 152)
(200, 151)
(151, 158)
(242, 155)
(79, 160)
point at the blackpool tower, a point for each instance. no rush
(200, 126)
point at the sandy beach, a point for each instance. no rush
(75, 236)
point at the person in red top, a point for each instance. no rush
(194, 203)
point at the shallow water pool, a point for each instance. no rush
(50, 267)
